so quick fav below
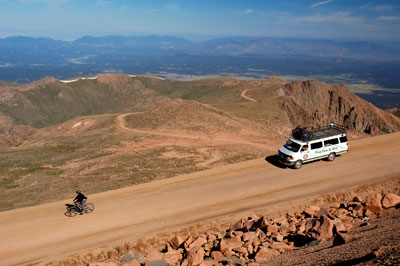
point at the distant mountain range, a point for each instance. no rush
(40, 50)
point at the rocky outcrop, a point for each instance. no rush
(258, 239)
(313, 103)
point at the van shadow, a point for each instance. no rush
(273, 159)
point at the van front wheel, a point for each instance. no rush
(297, 164)
(331, 156)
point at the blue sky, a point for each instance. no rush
(333, 19)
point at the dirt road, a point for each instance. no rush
(121, 124)
(43, 233)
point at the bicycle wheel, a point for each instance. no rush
(89, 207)
(71, 212)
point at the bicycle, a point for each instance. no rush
(74, 209)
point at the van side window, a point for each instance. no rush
(330, 142)
(343, 139)
(316, 145)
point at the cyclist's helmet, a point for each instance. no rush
(78, 191)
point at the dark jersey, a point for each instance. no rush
(80, 197)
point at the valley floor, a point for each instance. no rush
(195, 202)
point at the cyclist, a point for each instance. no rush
(80, 200)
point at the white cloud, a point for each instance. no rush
(172, 8)
(321, 3)
(384, 8)
(249, 11)
(366, 5)
(124, 8)
(389, 18)
(337, 17)
(103, 3)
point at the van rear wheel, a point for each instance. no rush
(298, 164)
(331, 156)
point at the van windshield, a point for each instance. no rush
(292, 146)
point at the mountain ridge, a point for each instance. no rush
(267, 103)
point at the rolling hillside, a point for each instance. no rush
(113, 131)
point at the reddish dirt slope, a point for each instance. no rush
(43, 233)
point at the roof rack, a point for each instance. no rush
(305, 134)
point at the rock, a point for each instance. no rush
(264, 222)
(348, 226)
(373, 203)
(280, 246)
(131, 263)
(368, 213)
(241, 250)
(211, 238)
(248, 225)
(188, 241)
(309, 224)
(340, 239)
(235, 234)
(281, 220)
(339, 226)
(230, 243)
(312, 210)
(217, 255)
(342, 212)
(238, 225)
(321, 212)
(172, 257)
(279, 237)
(100, 264)
(176, 242)
(260, 234)
(195, 256)
(390, 200)
(198, 242)
(314, 243)
(228, 253)
(357, 199)
(249, 236)
(235, 261)
(154, 254)
(272, 229)
(264, 254)
(136, 256)
(323, 228)
(127, 257)
(302, 227)
(210, 263)
(156, 263)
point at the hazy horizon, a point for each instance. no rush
(327, 19)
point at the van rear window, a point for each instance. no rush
(316, 145)
(330, 142)
(343, 139)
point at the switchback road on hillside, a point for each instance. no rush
(42, 233)
(121, 123)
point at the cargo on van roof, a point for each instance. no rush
(305, 134)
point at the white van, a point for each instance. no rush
(310, 145)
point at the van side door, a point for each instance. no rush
(316, 150)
